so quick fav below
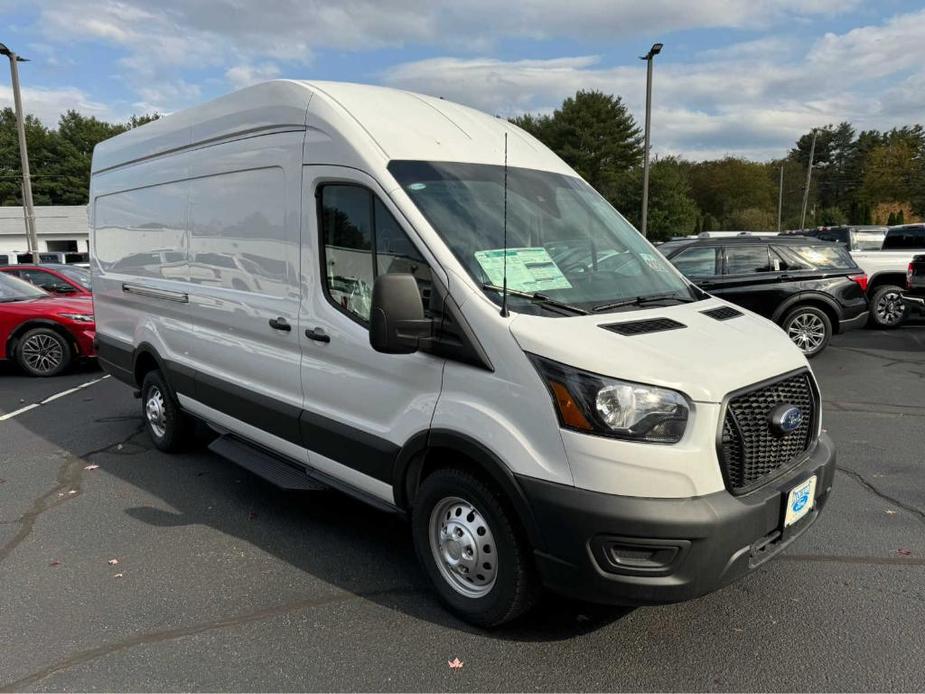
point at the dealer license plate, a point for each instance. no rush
(800, 501)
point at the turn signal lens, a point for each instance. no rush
(571, 414)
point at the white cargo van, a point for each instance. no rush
(317, 271)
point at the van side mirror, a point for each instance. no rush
(396, 318)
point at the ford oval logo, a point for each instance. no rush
(785, 419)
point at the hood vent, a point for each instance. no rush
(722, 313)
(641, 327)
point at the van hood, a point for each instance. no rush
(705, 359)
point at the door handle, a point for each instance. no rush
(318, 335)
(280, 324)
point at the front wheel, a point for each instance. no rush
(808, 328)
(887, 309)
(472, 549)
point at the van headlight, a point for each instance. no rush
(610, 407)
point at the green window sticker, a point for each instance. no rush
(528, 269)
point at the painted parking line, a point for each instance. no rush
(51, 398)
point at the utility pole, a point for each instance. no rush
(809, 175)
(28, 208)
(654, 51)
(780, 197)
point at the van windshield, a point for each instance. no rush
(564, 241)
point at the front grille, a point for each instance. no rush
(640, 327)
(750, 452)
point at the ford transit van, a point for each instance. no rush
(422, 306)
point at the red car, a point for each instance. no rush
(68, 280)
(43, 333)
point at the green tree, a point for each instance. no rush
(672, 211)
(724, 187)
(594, 133)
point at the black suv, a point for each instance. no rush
(811, 289)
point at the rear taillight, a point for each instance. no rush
(909, 276)
(861, 280)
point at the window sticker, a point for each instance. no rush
(528, 269)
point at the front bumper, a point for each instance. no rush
(645, 551)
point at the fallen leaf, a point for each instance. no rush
(113, 562)
(54, 562)
(455, 664)
(903, 552)
(117, 575)
(91, 467)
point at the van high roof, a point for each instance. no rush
(376, 122)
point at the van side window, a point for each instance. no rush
(362, 240)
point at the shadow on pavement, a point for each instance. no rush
(326, 534)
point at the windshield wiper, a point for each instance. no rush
(537, 298)
(641, 301)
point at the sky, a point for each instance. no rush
(736, 77)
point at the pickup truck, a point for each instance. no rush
(886, 272)
(914, 296)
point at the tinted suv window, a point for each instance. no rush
(909, 237)
(743, 260)
(697, 262)
(362, 240)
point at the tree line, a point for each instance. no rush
(59, 158)
(870, 177)
(858, 178)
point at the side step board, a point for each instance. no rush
(273, 469)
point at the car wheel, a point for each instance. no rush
(165, 422)
(887, 309)
(472, 549)
(43, 352)
(809, 329)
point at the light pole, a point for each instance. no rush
(23, 153)
(654, 51)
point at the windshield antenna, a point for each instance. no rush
(504, 313)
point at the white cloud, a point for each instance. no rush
(752, 99)
(49, 104)
(245, 75)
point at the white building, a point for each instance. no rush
(63, 228)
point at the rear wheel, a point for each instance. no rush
(887, 309)
(808, 328)
(165, 422)
(472, 549)
(43, 352)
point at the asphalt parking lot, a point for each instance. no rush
(225, 583)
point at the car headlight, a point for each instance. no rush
(78, 317)
(605, 406)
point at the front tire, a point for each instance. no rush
(887, 309)
(43, 352)
(166, 424)
(472, 549)
(808, 328)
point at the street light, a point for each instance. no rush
(23, 153)
(654, 51)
